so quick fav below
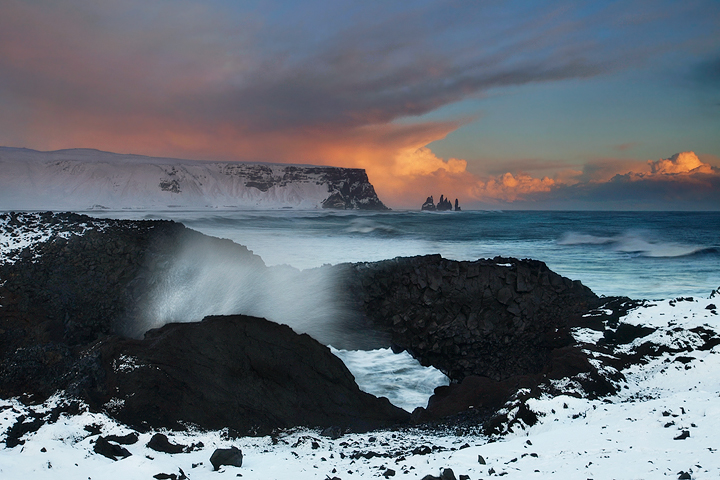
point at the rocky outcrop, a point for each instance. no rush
(495, 318)
(237, 372)
(443, 204)
(429, 204)
(349, 189)
(87, 281)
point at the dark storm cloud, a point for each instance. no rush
(208, 67)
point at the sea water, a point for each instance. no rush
(642, 255)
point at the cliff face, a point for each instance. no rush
(81, 179)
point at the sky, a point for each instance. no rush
(501, 104)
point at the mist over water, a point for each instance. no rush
(203, 278)
(651, 255)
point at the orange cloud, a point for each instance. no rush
(423, 161)
(680, 163)
(509, 187)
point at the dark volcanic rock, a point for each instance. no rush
(226, 456)
(494, 318)
(71, 292)
(239, 372)
(160, 443)
(109, 449)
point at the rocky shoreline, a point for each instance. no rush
(501, 329)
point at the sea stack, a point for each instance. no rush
(429, 204)
(444, 204)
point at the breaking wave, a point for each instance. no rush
(369, 226)
(211, 278)
(637, 243)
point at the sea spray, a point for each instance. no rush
(203, 278)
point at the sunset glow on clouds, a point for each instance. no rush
(500, 105)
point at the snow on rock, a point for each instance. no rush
(85, 179)
(663, 423)
(21, 232)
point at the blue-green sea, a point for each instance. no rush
(651, 255)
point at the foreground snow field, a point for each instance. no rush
(663, 424)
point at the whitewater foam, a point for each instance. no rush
(633, 242)
(398, 377)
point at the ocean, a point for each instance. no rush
(642, 255)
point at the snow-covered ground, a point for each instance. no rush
(664, 423)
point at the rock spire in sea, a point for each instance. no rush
(443, 204)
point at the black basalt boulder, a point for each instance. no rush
(238, 372)
(226, 456)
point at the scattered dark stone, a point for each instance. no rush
(160, 443)
(389, 473)
(711, 306)
(20, 428)
(93, 429)
(43, 449)
(422, 450)
(430, 477)
(129, 439)
(447, 474)
(226, 456)
(685, 434)
(110, 450)
(481, 460)
(684, 360)
(171, 476)
(684, 476)
(165, 476)
(626, 333)
(710, 338)
(333, 432)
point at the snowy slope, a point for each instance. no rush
(81, 179)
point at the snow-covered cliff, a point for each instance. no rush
(80, 179)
